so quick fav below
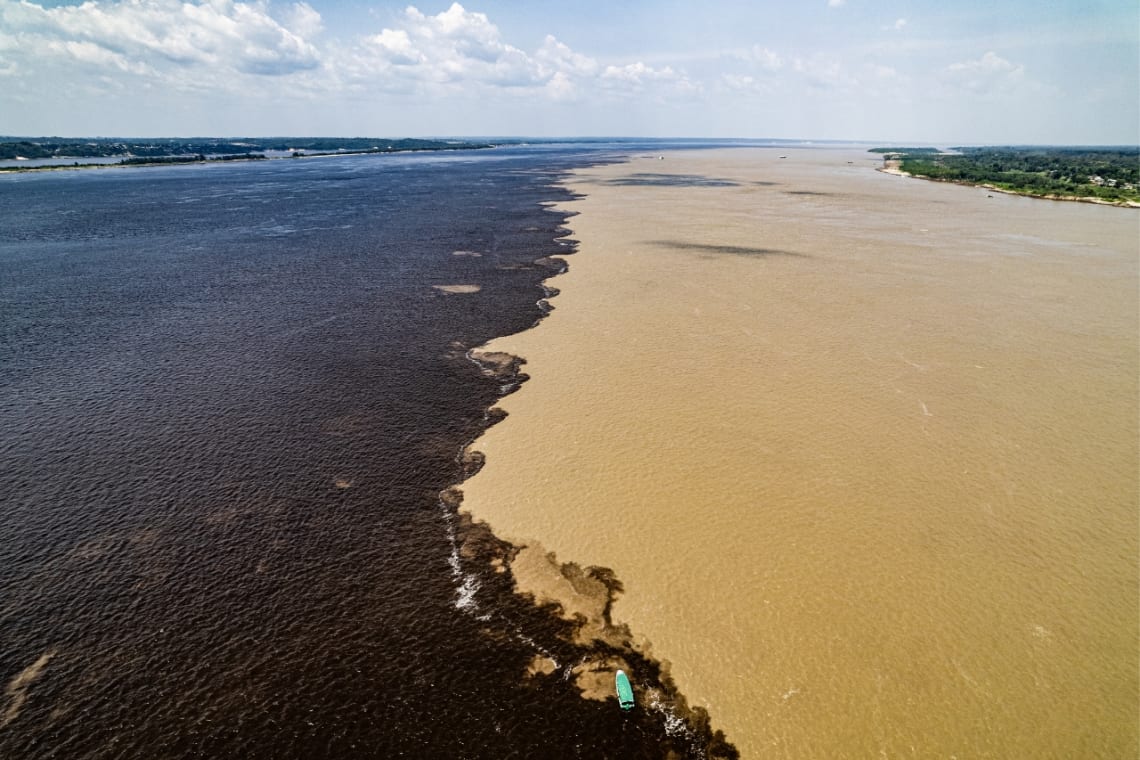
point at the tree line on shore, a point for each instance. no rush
(1111, 174)
(149, 160)
(54, 147)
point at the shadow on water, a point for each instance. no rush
(725, 250)
(652, 179)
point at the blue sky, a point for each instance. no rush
(892, 70)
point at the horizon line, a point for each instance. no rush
(575, 138)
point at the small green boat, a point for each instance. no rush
(624, 691)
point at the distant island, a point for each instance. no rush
(1100, 175)
(135, 152)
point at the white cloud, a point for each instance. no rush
(561, 87)
(303, 20)
(739, 81)
(636, 73)
(458, 50)
(989, 75)
(767, 59)
(226, 45)
(558, 57)
(89, 52)
(272, 65)
(824, 72)
(795, 74)
(564, 71)
(146, 36)
(989, 62)
(396, 46)
(746, 85)
(452, 47)
(639, 77)
(763, 71)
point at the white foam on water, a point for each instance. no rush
(466, 596)
(466, 584)
(676, 727)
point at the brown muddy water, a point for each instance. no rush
(861, 449)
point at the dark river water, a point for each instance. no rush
(229, 399)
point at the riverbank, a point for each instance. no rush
(39, 153)
(898, 172)
(135, 162)
(1107, 176)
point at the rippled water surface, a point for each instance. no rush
(229, 398)
(861, 448)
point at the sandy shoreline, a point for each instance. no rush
(841, 449)
(893, 167)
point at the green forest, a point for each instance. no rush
(1110, 174)
(55, 147)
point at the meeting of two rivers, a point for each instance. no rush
(285, 471)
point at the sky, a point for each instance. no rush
(944, 72)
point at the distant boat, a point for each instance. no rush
(624, 691)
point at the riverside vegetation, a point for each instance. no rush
(189, 150)
(1108, 174)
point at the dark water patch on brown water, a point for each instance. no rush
(728, 250)
(652, 179)
(226, 397)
